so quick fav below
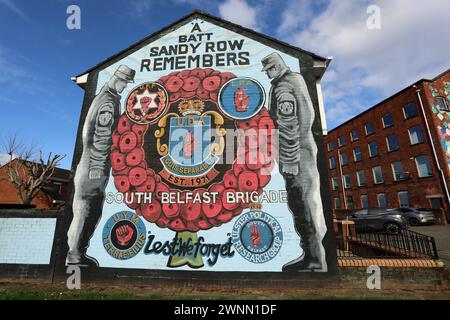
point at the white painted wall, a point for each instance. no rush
(26, 240)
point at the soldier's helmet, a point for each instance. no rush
(271, 60)
(125, 73)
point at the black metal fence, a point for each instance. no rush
(406, 244)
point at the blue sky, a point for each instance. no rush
(38, 54)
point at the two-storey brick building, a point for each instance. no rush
(396, 153)
(52, 195)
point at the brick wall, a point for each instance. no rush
(29, 243)
(8, 194)
(26, 240)
(420, 190)
(438, 118)
(393, 278)
(43, 200)
(25, 231)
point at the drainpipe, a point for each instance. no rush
(321, 108)
(444, 181)
(342, 179)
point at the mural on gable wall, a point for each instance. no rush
(442, 116)
(162, 183)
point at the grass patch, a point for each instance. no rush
(92, 295)
(74, 295)
(345, 297)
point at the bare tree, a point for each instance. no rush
(27, 174)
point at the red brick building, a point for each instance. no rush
(52, 195)
(396, 153)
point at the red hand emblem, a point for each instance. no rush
(145, 102)
(124, 234)
(241, 100)
(255, 235)
(188, 145)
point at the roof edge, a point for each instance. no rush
(390, 97)
(200, 13)
(440, 75)
(378, 104)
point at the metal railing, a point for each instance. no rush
(405, 244)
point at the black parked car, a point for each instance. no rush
(417, 216)
(378, 220)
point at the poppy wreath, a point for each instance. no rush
(132, 174)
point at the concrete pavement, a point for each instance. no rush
(441, 235)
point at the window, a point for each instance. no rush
(373, 149)
(377, 175)
(382, 200)
(361, 175)
(357, 155)
(347, 181)
(403, 199)
(369, 128)
(415, 135)
(332, 163)
(350, 204)
(334, 183)
(392, 142)
(410, 110)
(337, 203)
(341, 141)
(330, 146)
(423, 166)
(436, 203)
(440, 103)
(364, 201)
(58, 186)
(354, 135)
(344, 159)
(397, 171)
(388, 120)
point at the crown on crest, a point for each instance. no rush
(255, 206)
(187, 107)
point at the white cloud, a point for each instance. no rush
(298, 13)
(240, 12)
(196, 3)
(410, 45)
(139, 7)
(15, 75)
(14, 8)
(340, 110)
(4, 158)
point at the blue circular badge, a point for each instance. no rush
(241, 98)
(124, 235)
(257, 236)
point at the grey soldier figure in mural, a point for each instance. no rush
(291, 108)
(92, 173)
